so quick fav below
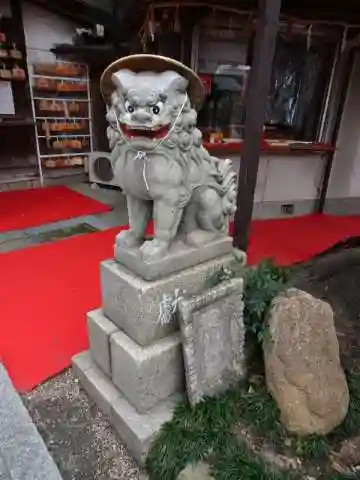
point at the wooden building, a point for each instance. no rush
(282, 81)
(288, 65)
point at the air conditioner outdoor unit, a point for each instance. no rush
(100, 169)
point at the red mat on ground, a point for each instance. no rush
(45, 293)
(293, 240)
(46, 290)
(20, 209)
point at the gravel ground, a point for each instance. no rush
(77, 434)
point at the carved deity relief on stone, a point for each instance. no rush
(213, 334)
(158, 157)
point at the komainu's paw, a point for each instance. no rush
(127, 239)
(153, 250)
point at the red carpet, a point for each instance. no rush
(20, 209)
(46, 290)
(45, 293)
(292, 240)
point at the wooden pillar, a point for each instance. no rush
(260, 76)
(344, 68)
(122, 10)
(116, 33)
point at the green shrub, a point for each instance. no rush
(207, 430)
(262, 284)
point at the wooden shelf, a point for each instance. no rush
(16, 123)
(63, 118)
(65, 79)
(56, 159)
(65, 135)
(61, 99)
(64, 155)
(17, 80)
(268, 147)
(17, 60)
(63, 171)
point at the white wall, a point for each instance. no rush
(287, 179)
(345, 175)
(43, 30)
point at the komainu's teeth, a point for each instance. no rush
(143, 127)
(145, 130)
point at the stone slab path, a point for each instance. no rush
(23, 454)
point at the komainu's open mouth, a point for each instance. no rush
(144, 132)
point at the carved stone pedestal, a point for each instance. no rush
(134, 369)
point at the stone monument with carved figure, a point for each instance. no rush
(135, 367)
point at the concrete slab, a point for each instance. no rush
(45, 233)
(97, 222)
(16, 244)
(48, 227)
(136, 430)
(109, 196)
(13, 235)
(118, 217)
(23, 454)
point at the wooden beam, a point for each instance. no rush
(343, 12)
(353, 43)
(78, 11)
(259, 84)
(96, 56)
(345, 66)
(20, 90)
(122, 11)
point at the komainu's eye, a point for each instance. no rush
(129, 107)
(156, 109)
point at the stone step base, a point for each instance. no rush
(136, 430)
(145, 375)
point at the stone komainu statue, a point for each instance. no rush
(158, 157)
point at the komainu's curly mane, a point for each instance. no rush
(184, 145)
